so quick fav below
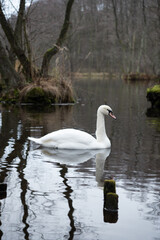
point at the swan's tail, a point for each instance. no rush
(36, 140)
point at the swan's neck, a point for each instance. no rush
(100, 130)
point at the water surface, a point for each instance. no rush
(46, 194)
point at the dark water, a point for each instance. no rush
(48, 194)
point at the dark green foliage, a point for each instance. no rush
(10, 97)
(153, 95)
(37, 96)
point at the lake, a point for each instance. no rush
(52, 194)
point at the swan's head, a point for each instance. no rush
(106, 110)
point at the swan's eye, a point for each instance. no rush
(110, 111)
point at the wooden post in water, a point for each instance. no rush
(110, 201)
(110, 196)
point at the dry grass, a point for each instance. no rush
(49, 90)
(91, 75)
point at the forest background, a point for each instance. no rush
(113, 36)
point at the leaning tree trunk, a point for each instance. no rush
(29, 70)
(18, 31)
(51, 52)
(9, 77)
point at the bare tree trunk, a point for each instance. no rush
(18, 33)
(9, 76)
(116, 20)
(28, 69)
(51, 52)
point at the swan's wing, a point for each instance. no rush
(67, 138)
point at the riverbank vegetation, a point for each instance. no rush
(31, 83)
(141, 77)
(43, 91)
(153, 95)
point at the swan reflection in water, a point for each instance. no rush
(66, 158)
(75, 157)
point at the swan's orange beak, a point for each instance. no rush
(112, 115)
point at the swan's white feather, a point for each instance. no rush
(68, 139)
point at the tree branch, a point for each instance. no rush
(51, 52)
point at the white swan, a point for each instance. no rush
(76, 139)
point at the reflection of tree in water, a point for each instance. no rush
(24, 187)
(1, 233)
(10, 133)
(47, 116)
(67, 195)
(14, 130)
